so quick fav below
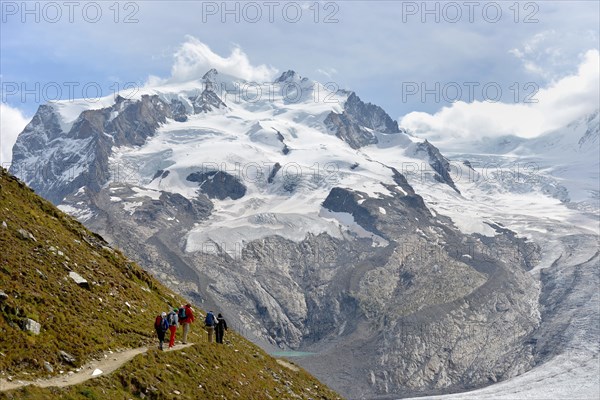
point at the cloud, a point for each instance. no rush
(550, 53)
(12, 122)
(194, 58)
(559, 103)
(328, 72)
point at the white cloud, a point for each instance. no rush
(559, 103)
(550, 53)
(194, 58)
(328, 72)
(12, 122)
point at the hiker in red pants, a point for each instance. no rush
(173, 324)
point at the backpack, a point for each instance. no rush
(157, 322)
(171, 318)
(181, 314)
(210, 319)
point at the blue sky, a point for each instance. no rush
(389, 52)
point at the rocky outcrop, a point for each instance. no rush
(218, 185)
(369, 115)
(439, 163)
(178, 111)
(79, 157)
(273, 173)
(344, 200)
(285, 150)
(429, 305)
(349, 131)
(357, 124)
(207, 101)
(287, 76)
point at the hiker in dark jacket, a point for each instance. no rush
(162, 326)
(209, 324)
(220, 328)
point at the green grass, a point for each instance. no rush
(80, 321)
(86, 322)
(204, 371)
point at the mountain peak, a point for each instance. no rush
(287, 76)
(211, 75)
(210, 80)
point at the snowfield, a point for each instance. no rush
(565, 222)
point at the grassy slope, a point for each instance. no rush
(87, 322)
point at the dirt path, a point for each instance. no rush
(89, 371)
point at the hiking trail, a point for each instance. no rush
(109, 364)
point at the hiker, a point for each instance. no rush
(162, 326)
(209, 323)
(173, 320)
(220, 328)
(186, 317)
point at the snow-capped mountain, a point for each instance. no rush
(546, 189)
(563, 163)
(313, 221)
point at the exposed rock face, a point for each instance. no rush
(210, 79)
(207, 101)
(273, 172)
(80, 156)
(286, 76)
(592, 133)
(359, 120)
(218, 185)
(370, 115)
(349, 131)
(438, 162)
(344, 200)
(178, 110)
(285, 150)
(431, 305)
(147, 228)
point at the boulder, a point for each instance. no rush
(79, 279)
(31, 326)
(66, 357)
(48, 367)
(26, 235)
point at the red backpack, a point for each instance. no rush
(157, 322)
